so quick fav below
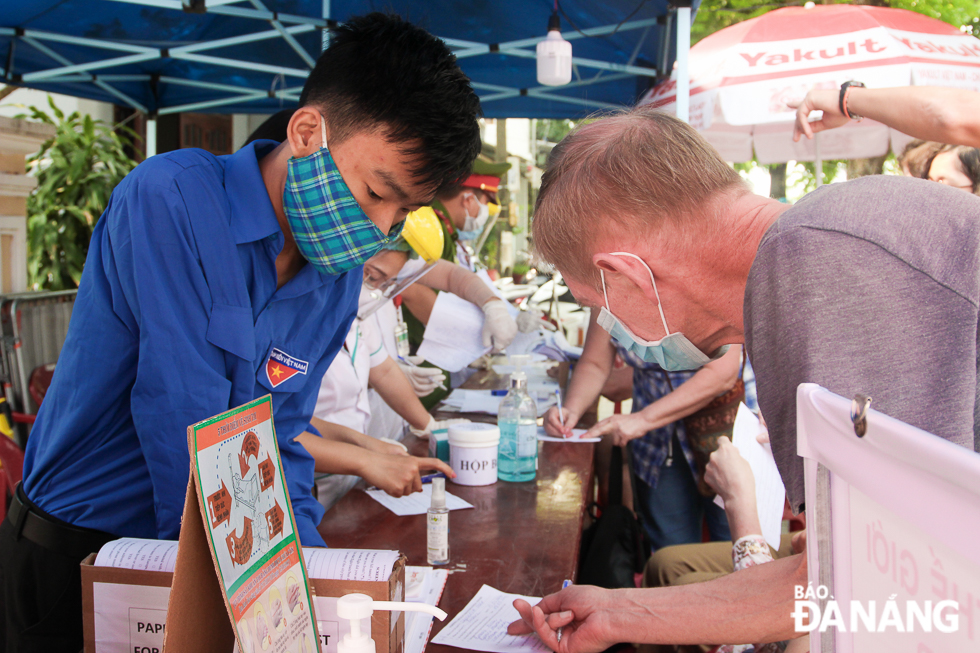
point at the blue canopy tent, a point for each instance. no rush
(252, 56)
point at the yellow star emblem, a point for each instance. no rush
(277, 371)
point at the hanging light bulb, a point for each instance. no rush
(554, 55)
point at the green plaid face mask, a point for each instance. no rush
(330, 229)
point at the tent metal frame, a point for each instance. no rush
(286, 26)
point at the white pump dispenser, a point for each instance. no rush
(356, 607)
(519, 361)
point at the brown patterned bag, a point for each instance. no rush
(705, 426)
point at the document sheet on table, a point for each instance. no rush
(576, 436)
(417, 503)
(482, 625)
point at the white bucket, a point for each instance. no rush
(473, 453)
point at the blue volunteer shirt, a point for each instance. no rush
(177, 319)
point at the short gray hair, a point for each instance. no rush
(639, 169)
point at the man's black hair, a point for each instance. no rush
(381, 71)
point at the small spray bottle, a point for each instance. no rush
(357, 607)
(437, 525)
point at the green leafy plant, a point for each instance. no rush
(76, 170)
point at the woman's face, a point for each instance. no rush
(383, 267)
(947, 169)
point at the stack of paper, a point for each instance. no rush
(422, 585)
(454, 334)
(135, 553)
(337, 564)
(349, 564)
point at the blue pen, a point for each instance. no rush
(561, 415)
(425, 479)
(564, 584)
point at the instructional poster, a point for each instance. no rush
(251, 530)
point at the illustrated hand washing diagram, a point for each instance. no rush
(252, 536)
(261, 513)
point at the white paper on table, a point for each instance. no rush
(770, 494)
(454, 334)
(418, 625)
(417, 503)
(136, 553)
(349, 564)
(482, 625)
(576, 436)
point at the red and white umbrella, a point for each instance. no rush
(743, 76)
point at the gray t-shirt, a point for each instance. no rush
(869, 286)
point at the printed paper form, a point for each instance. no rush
(429, 584)
(136, 553)
(454, 334)
(349, 564)
(482, 625)
(417, 503)
(770, 494)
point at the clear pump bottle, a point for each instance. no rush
(437, 525)
(517, 418)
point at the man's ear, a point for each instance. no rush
(303, 132)
(629, 269)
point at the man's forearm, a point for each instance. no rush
(752, 605)
(697, 392)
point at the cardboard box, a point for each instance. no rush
(127, 609)
(388, 634)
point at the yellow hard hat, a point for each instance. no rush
(424, 234)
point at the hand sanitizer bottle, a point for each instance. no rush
(437, 525)
(517, 418)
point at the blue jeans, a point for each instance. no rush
(672, 512)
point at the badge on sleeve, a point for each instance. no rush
(281, 367)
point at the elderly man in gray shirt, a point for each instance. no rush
(867, 286)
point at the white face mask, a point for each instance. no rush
(674, 352)
(475, 223)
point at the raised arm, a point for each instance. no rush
(591, 373)
(945, 115)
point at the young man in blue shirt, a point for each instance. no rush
(211, 281)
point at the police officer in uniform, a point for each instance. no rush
(463, 212)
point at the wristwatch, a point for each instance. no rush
(842, 102)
